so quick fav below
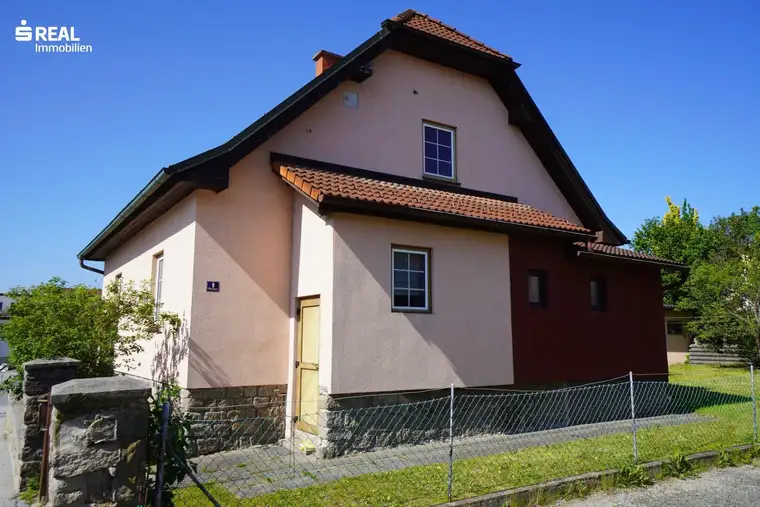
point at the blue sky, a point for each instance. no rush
(649, 98)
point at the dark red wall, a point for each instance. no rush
(569, 342)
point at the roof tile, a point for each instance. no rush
(319, 183)
(425, 23)
(625, 252)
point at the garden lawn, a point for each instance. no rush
(729, 422)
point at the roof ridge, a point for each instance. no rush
(409, 14)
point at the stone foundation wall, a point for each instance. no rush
(230, 418)
(99, 442)
(40, 376)
(354, 423)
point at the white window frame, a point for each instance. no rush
(426, 254)
(158, 281)
(453, 133)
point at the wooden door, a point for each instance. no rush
(307, 365)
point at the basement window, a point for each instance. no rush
(411, 279)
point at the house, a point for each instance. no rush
(5, 304)
(676, 338)
(685, 349)
(405, 221)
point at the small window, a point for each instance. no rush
(1, 306)
(537, 289)
(438, 150)
(158, 281)
(411, 280)
(675, 327)
(598, 290)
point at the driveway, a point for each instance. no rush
(723, 487)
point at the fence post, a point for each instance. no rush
(162, 454)
(754, 401)
(451, 440)
(633, 420)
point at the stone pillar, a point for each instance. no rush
(99, 445)
(40, 376)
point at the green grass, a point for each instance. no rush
(729, 423)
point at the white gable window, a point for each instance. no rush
(438, 150)
(411, 279)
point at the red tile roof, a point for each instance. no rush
(320, 183)
(625, 252)
(425, 23)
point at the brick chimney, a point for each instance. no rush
(325, 60)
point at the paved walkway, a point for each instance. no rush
(726, 487)
(259, 470)
(7, 498)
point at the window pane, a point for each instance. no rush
(417, 298)
(400, 279)
(431, 166)
(444, 153)
(444, 138)
(400, 260)
(417, 280)
(431, 134)
(444, 169)
(417, 262)
(594, 293)
(401, 298)
(534, 289)
(431, 150)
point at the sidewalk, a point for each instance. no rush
(7, 498)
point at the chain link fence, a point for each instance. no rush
(458, 443)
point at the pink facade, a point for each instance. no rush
(267, 248)
(385, 132)
(466, 339)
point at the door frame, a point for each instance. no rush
(311, 301)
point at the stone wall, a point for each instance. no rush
(40, 376)
(99, 442)
(235, 417)
(361, 423)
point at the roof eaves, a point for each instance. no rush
(159, 179)
(330, 203)
(575, 179)
(327, 79)
(231, 149)
(638, 260)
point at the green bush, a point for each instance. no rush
(178, 445)
(102, 331)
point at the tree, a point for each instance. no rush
(725, 290)
(678, 236)
(102, 331)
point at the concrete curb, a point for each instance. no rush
(524, 495)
